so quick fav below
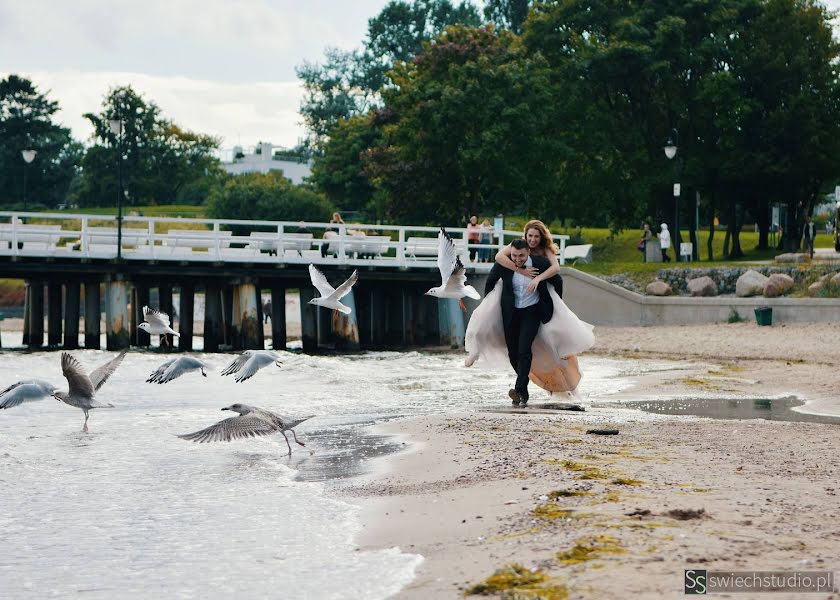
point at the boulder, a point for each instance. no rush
(835, 279)
(792, 257)
(750, 283)
(777, 285)
(702, 286)
(658, 288)
(815, 288)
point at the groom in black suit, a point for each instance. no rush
(523, 310)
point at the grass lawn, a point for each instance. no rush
(169, 210)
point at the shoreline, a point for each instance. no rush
(610, 516)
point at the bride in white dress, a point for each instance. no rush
(554, 367)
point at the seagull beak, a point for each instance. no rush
(226, 408)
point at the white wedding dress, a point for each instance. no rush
(554, 367)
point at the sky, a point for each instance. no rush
(225, 68)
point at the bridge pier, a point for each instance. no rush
(227, 315)
(213, 325)
(278, 317)
(54, 314)
(345, 328)
(451, 323)
(72, 297)
(308, 321)
(116, 315)
(185, 313)
(247, 323)
(27, 302)
(165, 305)
(139, 299)
(93, 314)
(36, 315)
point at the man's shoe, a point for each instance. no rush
(514, 395)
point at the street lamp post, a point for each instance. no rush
(28, 157)
(670, 152)
(117, 128)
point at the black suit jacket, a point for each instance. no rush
(546, 307)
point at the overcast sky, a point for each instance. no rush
(221, 67)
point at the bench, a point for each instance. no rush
(581, 253)
(428, 247)
(35, 238)
(359, 246)
(266, 241)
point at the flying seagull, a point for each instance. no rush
(330, 296)
(83, 387)
(452, 273)
(249, 362)
(156, 323)
(251, 422)
(176, 367)
(27, 390)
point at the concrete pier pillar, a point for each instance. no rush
(185, 314)
(227, 315)
(26, 308)
(345, 328)
(378, 314)
(308, 321)
(246, 317)
(451, 323)
(72, 300)
(93, 314)
(139, 299)
(36, 315)
(260, 318)
(54, 312)
(213, 326)
(278, 317)
(117, 319)
(166, 306)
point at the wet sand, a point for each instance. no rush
(595, 514)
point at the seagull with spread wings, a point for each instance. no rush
(176, 367)
(251, 422)
(330, 296)
(26, 390)
(249, 362)
(156, 323)
(452, 273)
(83, 387)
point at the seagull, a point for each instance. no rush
(156, 323)
(251, 422)
(452, 273)
(27, 390)
(176, 367)
(249, 362)
(84, 387)
(330, 296)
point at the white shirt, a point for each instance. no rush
(522, 297)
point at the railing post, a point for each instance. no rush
(85, 241)
(342, 231)
(281, 245)
(562, 250)
(401, 247)
(15, 249)
(217, 242)
(152, 239)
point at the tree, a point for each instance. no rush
(26, 124)
(469, 131)
(507, 14)
(268, 196)
(158, 156)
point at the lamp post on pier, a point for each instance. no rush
(28, 157)
(671, 152)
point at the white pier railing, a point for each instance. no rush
(82, 236)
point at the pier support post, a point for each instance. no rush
(451, 323)
(185, 321)
(27, 306)
(93, 314)
(227, 315)
(116, 315)
(308, 321)
(54, 306)
(213, 328)
(246, 317)
(377, 317)
(278, 317)
(139, 299)
(345, 328)
(166, 306)
(36, 315)
(72, 300)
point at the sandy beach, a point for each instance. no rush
(592, 516)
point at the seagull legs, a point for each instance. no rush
(296, 440)
(85, 428)
(287, 442)
(462, 305)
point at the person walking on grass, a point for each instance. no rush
(665, 242)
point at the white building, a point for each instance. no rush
(262, 160)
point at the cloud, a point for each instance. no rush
(238, 112)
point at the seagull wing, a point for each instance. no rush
(80, 383)
(25, 391)
(254, 364)
(320, 282)
(156, 317)
(457, 278)
(238, 363)
(345, 287)
(183, 365)
(231, 429)
(447, 256)
(158, 373)
(101, 374)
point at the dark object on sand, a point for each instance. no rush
(603, 431)
(562, 406)
(639, 512)
(686, 514)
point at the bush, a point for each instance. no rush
(198, 191)
(267, 197)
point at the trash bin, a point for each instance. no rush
(764, 315)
